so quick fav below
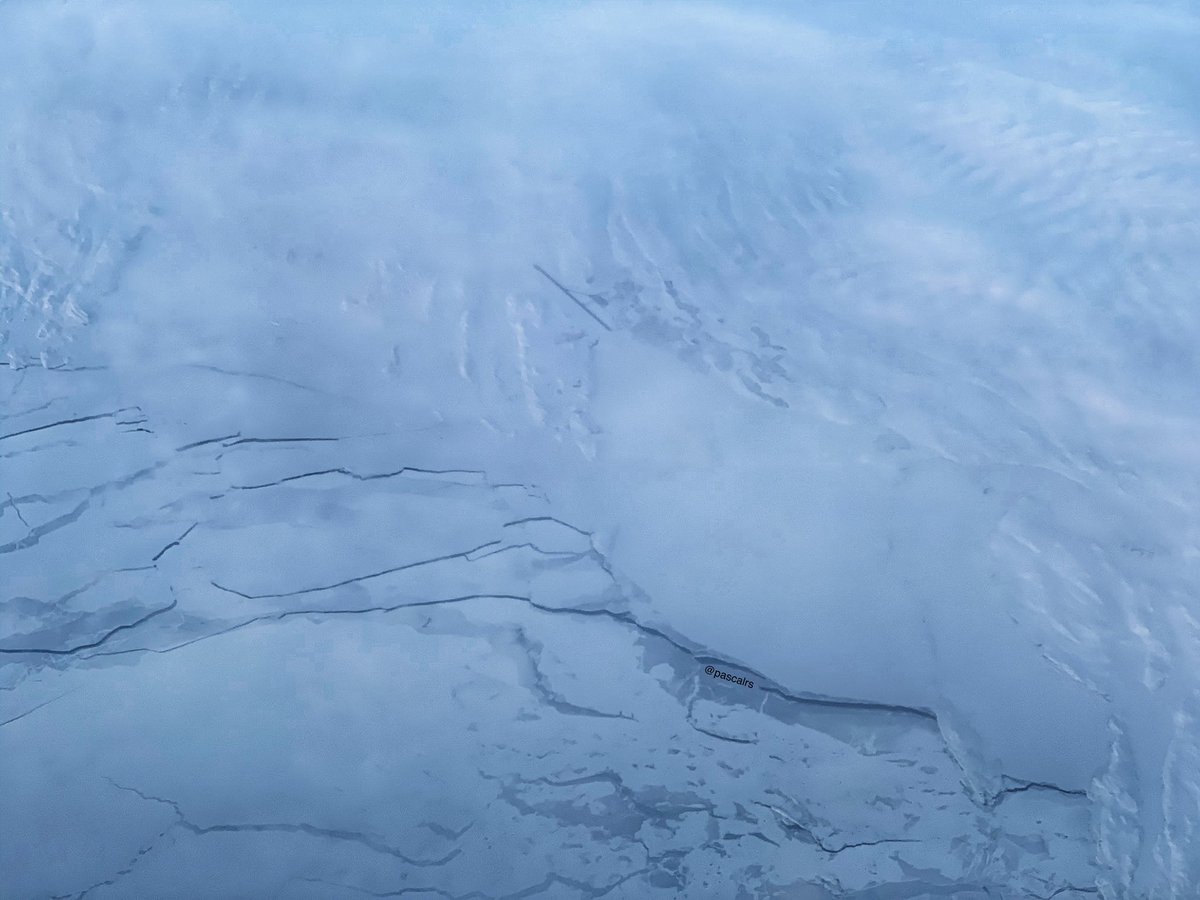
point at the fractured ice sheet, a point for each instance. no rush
(403, 405)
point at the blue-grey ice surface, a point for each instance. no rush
(404, 405)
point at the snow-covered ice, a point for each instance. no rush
(403, 405)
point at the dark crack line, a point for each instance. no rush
(75, 421)
(790, 824)
(34, 709)
(37, 533)
(281, 440)
(121, 873)
(1065, 889)
(259, 376)
(99, 642)
(465, 554)
(1023, 786)
(399, 892)
(355, 837)
(529, 545)
(599, 558)
(175, 543)
(691, 720)
(833, 702)
(293, 613)
(404, 470)
(17, 509)
(206, 441)
(37, 366)
(577, 530)
(31, 410)
(574, 299)
(721, 737)
(628, 619)
(549, 696)
(623, 618)
(876, 843)
(533, 890)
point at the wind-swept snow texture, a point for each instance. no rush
(706, 450)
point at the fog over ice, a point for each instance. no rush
(850, 345)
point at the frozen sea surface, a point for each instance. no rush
(408, 411)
